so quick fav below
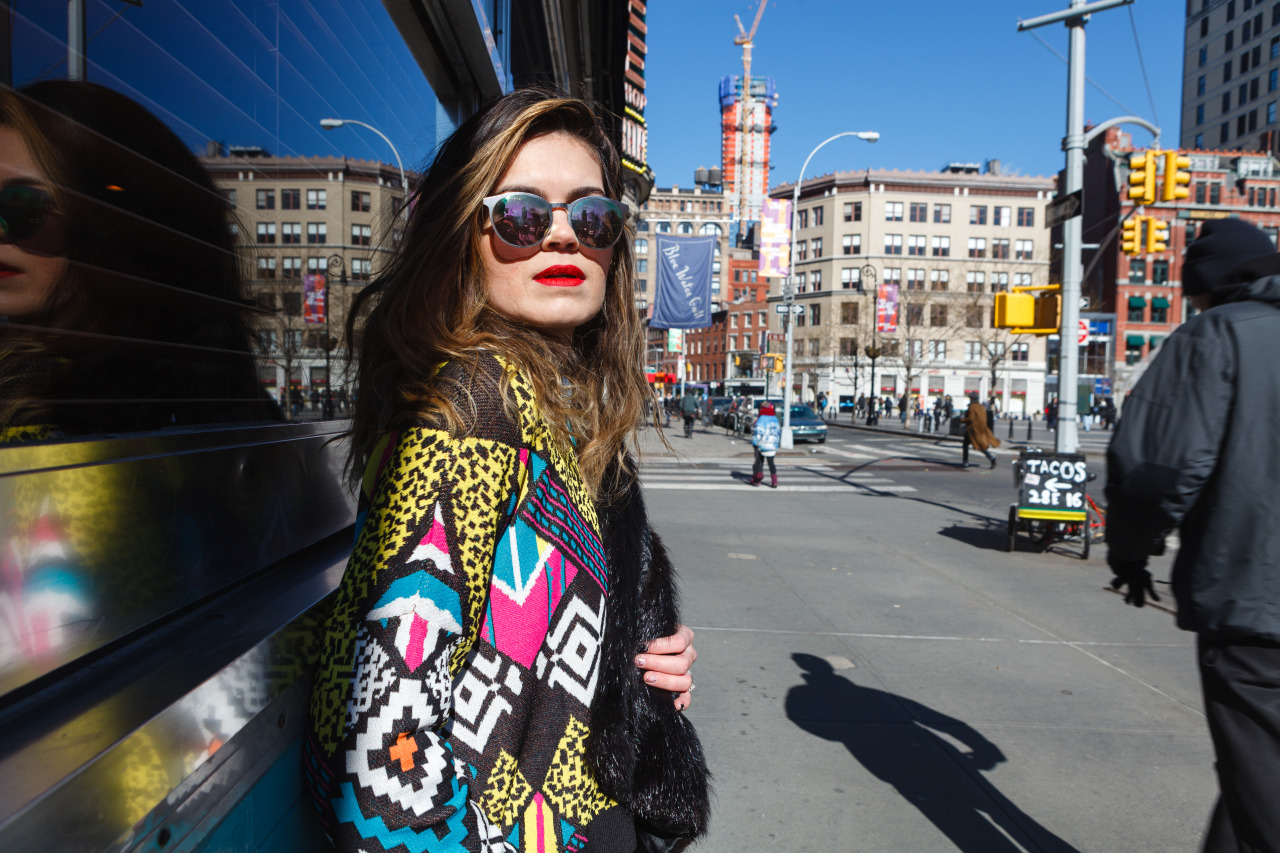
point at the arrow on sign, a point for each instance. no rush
(1057, 485)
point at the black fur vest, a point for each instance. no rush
(645, 753)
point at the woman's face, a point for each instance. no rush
(26, 276)
(558, 284)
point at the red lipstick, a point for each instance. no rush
(7, 271)
(561, 275)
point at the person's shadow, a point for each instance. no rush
(891, 737)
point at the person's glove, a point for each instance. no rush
(1133, 574)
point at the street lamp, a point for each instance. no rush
(790, 293)
(331, 123)
(873, 348)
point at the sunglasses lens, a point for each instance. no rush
(22, 211)
(521, 219)
(598, 221)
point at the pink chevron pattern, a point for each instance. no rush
(519, 630)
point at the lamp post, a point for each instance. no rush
(336, 266)
(789, 293)
(872, 349)
(331, 123)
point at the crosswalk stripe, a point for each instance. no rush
(739, 487)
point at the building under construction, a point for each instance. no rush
(746, 123)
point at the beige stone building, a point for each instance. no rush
(950, 240)
(297, 216)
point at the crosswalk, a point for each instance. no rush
(735, 475)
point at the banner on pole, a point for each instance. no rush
(675, 340)
(683, 296)
(314, 299)
(887, 307)
(775, 238)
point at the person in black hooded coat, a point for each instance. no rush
(1197, 448)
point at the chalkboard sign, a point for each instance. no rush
(1051, 486)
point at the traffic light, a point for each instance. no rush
(1131, 236)
(1014, 311)
(1049, 311)
(779, 364)
(1157, 235)
(1176, 177)
(1142, 177)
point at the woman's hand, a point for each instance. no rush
(666, 663)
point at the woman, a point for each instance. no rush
(480, 687)
(978, 430)
(765, 437)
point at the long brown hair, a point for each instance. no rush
(430, 305)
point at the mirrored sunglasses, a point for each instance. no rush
(24, 211)
(524, 219)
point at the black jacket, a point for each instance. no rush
(1198, 447)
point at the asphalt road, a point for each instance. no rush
(876, 673)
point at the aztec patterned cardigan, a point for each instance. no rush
(477, 690)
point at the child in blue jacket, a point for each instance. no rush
(765, 438)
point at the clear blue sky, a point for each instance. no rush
(941, 81)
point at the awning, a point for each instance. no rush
(1156, 340)
(1135, 340)
(1137, 302)
(1159, 302)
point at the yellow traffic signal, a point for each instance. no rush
(1142, 177)
(1049, 311)
(779, 364)
(1176, 177)
(1157, 235)
(1131, 236)
(1014, 311)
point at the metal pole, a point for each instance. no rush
(75, 40)
(1067, 440)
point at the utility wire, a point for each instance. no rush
(1089, 79)
(96, 33)
(1133, 24)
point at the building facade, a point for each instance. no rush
(947, 241)
(1231, 76)
(746, 125)
(326, 220)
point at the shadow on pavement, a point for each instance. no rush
(894, 738)
(992, 536)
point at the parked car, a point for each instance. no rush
(714, 411)
(806, 424)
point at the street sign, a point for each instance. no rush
(785, 308)
(1082, 333)
(1063, 208)
(1051, 486)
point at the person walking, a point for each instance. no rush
(765, 437)
(689, 406)
(978, 431)
(1196, 449)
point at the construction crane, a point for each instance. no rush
(745, 39)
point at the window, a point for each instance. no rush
(848, 346)
(942, 213)
(1204, 56)
(1271, 113)
(1023, 249)
(999, 282)
(1199, 143)
(1243, 97)
(915, 348)
(266, 268)
(851, 278)
(642, 265)
(316, 265)
(642, 246)
(290, 199)
(1275, 44)
(848, 314)
(1027, 217)
(361, 235)
(853, 211)
(978, 246)
(919, 212)
(230, 196)
(972, 351)
(893, 244)
(1002, 216)
(1226, 72)
(802, 283)
(800, 344)
(975, 282)
(746, 319)
(802, 218)
(939, 280)
(973, 316)
(915, 279)
(266, 199)
(1022, 279)
(1200, 85)
(1272, 232)
(978, 214)
(938, 316)
(317, 199)
(360, 201)
(1137, 309)
(317, 232)
(851, 244)
(291, 268)
(817, 243)
(291, 232)
(893, 275)
(1226, 102)
(1200, 114)
(1019, 352)
(1224, 132)
(1273, 77)
(1215, 193)
(1253, 119)
(938, 350)
(815, 280)
(1137, 271)
(1160, 271)
(1159, 310)
(267, 232)
(815, 319)
(1200, 188)
(893, 211)
(817, 216)
(916, 244)
(913, 314)
(684, 228)
(292, 304)
(814, 344)
(361, 269)
(1229, 43)
(1000, 249)
(941, 246)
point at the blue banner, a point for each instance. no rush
(683, 297)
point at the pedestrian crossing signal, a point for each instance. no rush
(1014, 311)
(1049, 311)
